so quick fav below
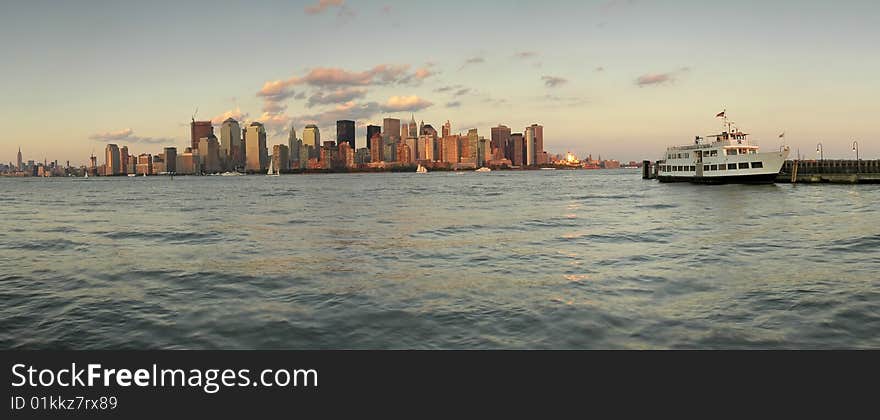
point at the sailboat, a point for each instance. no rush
(421, 169)
(273, 171)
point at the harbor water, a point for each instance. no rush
(498, 260)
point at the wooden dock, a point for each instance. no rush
(830, 171)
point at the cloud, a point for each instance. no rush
(610, 5)
(462, 92)
(444, 89)
(525, 54)
(553, 81)
(346, 111)
(600, 69)
(405, 103)
(235, 114)
(276, 90)
(454, 104)
(387, 9)
(275, 123)
(423, 73)
(654, 79)
(127, 135)
(338, 96)
(273, 107)
(472, 60)
(323, 5)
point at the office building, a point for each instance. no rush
(112, 161)
(231, 144)
(376, 148)
(499, 144)
(170, 157)
(371, 131)
(345, 132)
(199, 130)
(391, 130)
(281, 157)
(257, 154)
(517, 149)
(312, 138)
(145, 164)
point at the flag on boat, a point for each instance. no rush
(720, 114)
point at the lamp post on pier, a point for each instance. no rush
(856, 149)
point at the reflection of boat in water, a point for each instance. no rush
(548, 169)
(421, 169)
(483, 169)
(231, 174)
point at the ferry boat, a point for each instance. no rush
(729, 157)
(484, 169)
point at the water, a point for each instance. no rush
(540, 259)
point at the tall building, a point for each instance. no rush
(473, 144)
(426, 148)
(376, 148)
(499, 143)
(198, 130)
(328, 155)
(530, 158)
(231, 146)
(538, 136)
(391, 130)
(450, 149)
(113, 165)
(171, 159)
(404, 154)
(346, 155)
(145, 164)
(447, 129)
(413, 128)
(312, 138)
(293, 144)
(188, 163)
(345, 132)
(371, 131)
(516, 149)
(281, 157)
(19, 165)
(124, 160)
(413, 144)
(404, 130)
(209, 153)
(257, 153)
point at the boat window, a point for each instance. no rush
(713, 168)
(744, 165)
(705, 167)
(693, 168)
(731, 152)
(731, 166)
(757, 165)
(722, 167)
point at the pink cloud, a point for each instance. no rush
(323, 5)
(235, 114)
(405, 103)
(654, 79)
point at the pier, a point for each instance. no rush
(830, 171)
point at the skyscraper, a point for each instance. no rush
(447, 129)
(231, 146)
(413, 128)
(19, 167)
(538, 133)
(312, 138)
(371, 131)
(257, 153)
(530, 157)
(473, 143)
(376, 147)
(171, 159)
(345, 132)
(281, 157)
(516, 149)
(112, 160)
(199, 129)
(499, 144)
(209, 153)
(124, 160)
(391, 130)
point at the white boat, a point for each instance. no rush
(273, 171)
(421, 169)
(728, 157)
(484, 169)
(231, 174)
(132, 175)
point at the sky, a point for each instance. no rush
(619, 78)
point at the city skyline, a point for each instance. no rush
(599, 74)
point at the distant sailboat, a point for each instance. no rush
(421, 169)
(273, 171)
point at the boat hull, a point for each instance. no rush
(768, 178)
